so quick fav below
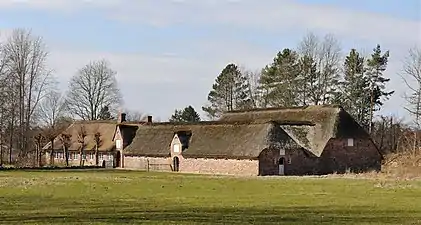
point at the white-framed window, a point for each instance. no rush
(110, 156)
(350, 142)
(281, 151)
(60, 155)
(56, 155)
(176, 148)
(91, 155)
(118, 144)
(101, 156)
(75, 156)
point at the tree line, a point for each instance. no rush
(319, 71)
(315, 72)
(33, 110)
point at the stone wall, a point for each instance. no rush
(147, 163)
(192, 165)
(220, 166)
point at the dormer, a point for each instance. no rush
(180, 142)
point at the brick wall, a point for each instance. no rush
(339, 157)
(74, 162)
(268, 162)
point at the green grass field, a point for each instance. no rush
(115, 197)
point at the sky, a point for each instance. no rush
(167, 53)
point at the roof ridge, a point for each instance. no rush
(307, 107)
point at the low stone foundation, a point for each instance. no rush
(220, 166)
(147, 163)
(194, 165)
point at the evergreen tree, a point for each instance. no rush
(376, 65)
(355, 89)
(105, 114)
(308, 80)
(229, 92)
(279, 81)
(188, 114)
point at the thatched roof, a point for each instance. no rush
(244, 134)
(209, 140)
(105, 128)
(310, 126)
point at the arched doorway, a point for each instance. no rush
(176, 164)
(281, 164)
(118, 159)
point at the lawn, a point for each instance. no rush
(115, 197)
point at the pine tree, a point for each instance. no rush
(188, 114)
(355, 88)
(376, 66)
(279, 81)
(229, 92)
(308, 80)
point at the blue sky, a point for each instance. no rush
(168, 53)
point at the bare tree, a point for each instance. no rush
(65, 140)
(81, 136)
(28, 79)
(52, 108)
(38, 148)
(98, 143)
(91, 89)
(412, 78)
(326, 53)
(253, 78)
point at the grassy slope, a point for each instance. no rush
(111, 197)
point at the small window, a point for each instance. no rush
(289, 161)
(350, 142)
(176, 147)
(118, 144)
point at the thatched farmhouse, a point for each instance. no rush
(274, 141)
(96, 138)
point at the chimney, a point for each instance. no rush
(149, 119)
(121, 117)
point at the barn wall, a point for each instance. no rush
(299, 162)
(147, 163)
(219, 166)
(268, 162)
(361, 157)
